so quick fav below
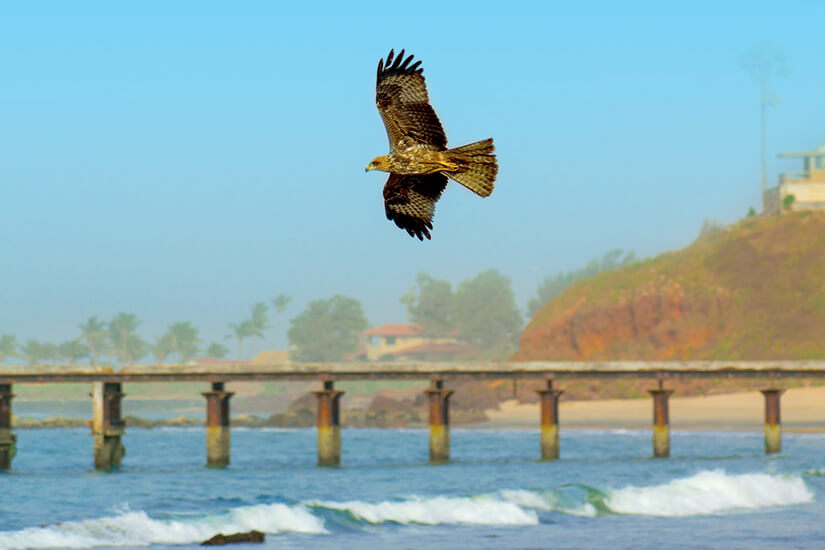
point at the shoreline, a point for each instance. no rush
(803, 411)
(73, 423)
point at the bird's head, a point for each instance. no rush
(379, 163)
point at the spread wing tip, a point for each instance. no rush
(416, 228)
(398, 65)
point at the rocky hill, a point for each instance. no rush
(755, 290)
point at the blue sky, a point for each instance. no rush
(182, 160)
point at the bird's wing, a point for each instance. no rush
(409, 201)
(401, 96)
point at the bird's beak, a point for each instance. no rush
(368, 168)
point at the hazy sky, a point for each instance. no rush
(182, 160)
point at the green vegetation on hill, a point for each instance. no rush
(755, 290)
(553, 285)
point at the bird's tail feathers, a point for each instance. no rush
(477, 166)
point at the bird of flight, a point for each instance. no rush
(419, 162)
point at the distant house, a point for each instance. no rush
(807, 187)
(404, 341)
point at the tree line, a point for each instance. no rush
(117, 340)
(481, 312)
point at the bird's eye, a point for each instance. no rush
(373, 163)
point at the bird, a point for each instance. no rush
(419, 161)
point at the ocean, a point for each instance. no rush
(717, 491)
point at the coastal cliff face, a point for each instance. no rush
(753, 291)
(656, 324)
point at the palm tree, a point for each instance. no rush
(163, 347)
(8, 346)
(259, 320)
(93, 332)
(217, 350)
(73, 351)
(136, 348)
(122, 335)
(32, 352)
(241, 331)
(280, 304)
(49, 352)
(185, 339)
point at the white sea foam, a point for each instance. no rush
(479, 510)
(138, 529)
(710, 492)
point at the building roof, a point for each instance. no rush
(395, 329)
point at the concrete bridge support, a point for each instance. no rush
(7, 438)
(107, 425)
(439, 421)
(218, 442)
(661, 422)
(328, 424)
(773, 426)
(549, 399)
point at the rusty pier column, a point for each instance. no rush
(7, 439)
(107, 425)
(773, 426)
(328, 424)
(549, 399)
(218, 442)
(439, 421)
(661, 421)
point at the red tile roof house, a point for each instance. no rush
(405, 341)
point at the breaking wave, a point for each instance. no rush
(707, 492)
(138, 529)
(480, 510)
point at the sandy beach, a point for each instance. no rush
(802, 410)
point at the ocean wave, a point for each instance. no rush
(551, 501)
(478, 510)
(709, 492)
(138, 529)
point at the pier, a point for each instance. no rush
(107, 427)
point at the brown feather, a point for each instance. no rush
(402, 100)
(409, 201)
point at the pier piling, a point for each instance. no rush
(549, 399)
(773, 425)
(328, 425)
(7, 438)
(107, 425)
(661, 421)
(218, 441)
(439, 421)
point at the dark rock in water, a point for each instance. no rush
(221, 539)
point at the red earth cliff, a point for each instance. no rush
(753, 291)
